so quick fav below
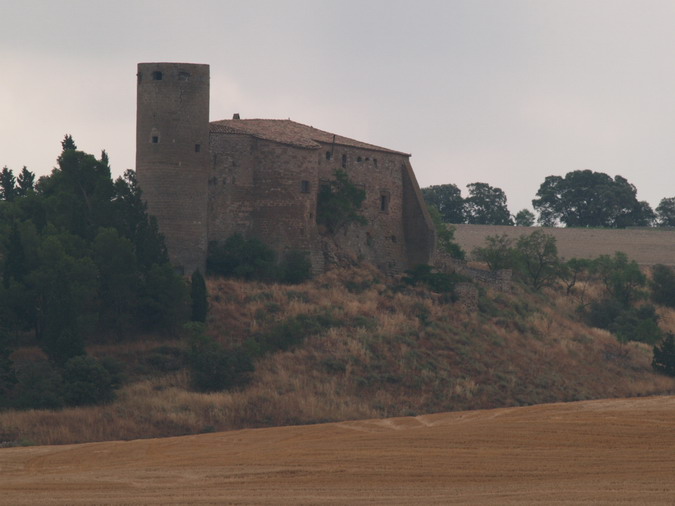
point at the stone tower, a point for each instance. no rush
(172, 155)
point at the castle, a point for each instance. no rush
(205, 181)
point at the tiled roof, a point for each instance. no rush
(289, 132)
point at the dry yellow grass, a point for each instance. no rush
(594, 452)
(647, 246)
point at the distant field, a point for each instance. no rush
(594, 452)
(647, 246)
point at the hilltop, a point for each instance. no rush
(356, 345)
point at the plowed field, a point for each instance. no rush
(595, 452)
(647, 246)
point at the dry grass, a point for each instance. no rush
(394, 352)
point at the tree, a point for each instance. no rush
(25, 182)
(584, 198)
(498, 252)
(486, 205)
(665, 212)
(447, 199)
(621, 277)
(7, 184)
(525, 218)
(664, 356)
(663, 285)
(339, 203)
(445, 235)
(537, 259)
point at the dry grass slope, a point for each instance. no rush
(393, 352)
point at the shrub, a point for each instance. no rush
(537, 259)
(664, 356)
(214, 368)
(497, 253)
(339, 203)
(663, 285)
(440, 282)
(248, 259)
(296, 267)
(39, 386)
(87, 382)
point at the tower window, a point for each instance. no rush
(155, 139)
(344, 161)
(157, 75)
(329, 155)
(359, 159)
(198, 148)
(384, 201)
(304, 186)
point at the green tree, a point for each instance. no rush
(7, 184)
(339, 203)
(445, 235)
(447, 199)
(199, 297)
(498, 252)
(486, 205)
(662, 285)
(664, 356)
(622, 278)
(665, 212)
(584, 198)
(25, 182)
(570, 272)
(249, 259)
(86, 382)
(525, 218)
(537, 259)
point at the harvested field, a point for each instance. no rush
(593, 452)
(647, 246)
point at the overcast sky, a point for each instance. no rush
(504, 92)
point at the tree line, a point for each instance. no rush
(582, 198)
(80, 261)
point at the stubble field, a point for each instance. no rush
(593, 452)
(647, 246)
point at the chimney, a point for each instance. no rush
(236, 116)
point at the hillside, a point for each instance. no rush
(594, 452)
(647, 246)
(360, 348)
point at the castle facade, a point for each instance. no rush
(205, 181)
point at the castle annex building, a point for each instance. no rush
(205, 181)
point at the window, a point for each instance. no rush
(155, 139)
(198, 148)
(344, 161)
(156, 75)
(384, 201)
(329, 155)
(359, 159)
(304, 186)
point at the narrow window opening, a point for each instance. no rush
(344, 161)
(304, 186)
(329, 155)
(155, 139)
(198, 148)
(157, 75)
(359, 159)
(384, 202)
(375, 161)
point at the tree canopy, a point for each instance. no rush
(584, 198)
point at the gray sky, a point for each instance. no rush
(505, 92)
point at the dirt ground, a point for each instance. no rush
(594, 452)
(647, 246)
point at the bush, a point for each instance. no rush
(663, 285)
(296, 267)
(214, 368)
(39, 386)
(440, 282)
(628, 324)
(248, 259)
(339, 203)
(87, 382)
(664, 356)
